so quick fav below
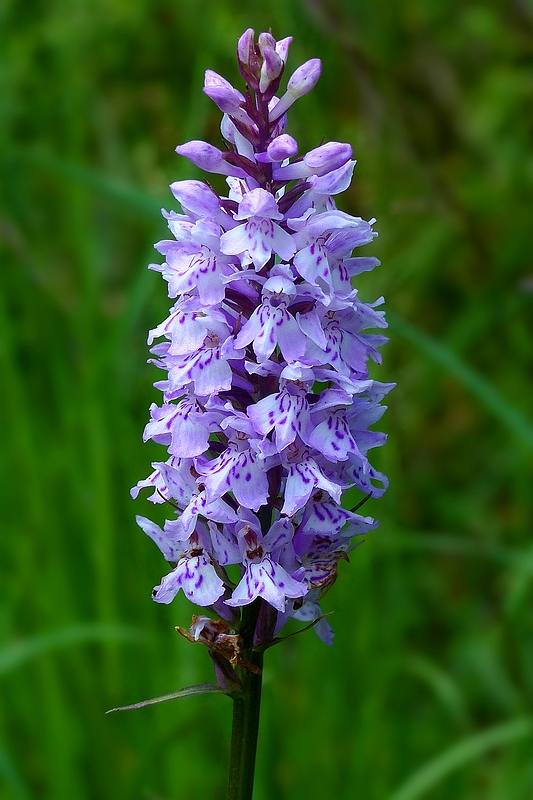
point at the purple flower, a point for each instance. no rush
(260, 235)
(267, 402)
(263, 577)
(239, 472)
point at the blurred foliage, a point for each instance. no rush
(429, 687)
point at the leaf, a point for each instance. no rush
(280, 639)
(433, 772)
(187, 691)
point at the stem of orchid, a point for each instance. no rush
(246, 707)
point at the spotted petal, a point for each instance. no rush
(198, 579)
(268, 580)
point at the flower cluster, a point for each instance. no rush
(267, 399)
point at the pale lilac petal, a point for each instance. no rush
(302, 480)
(269, 581)
(308, 613)
(323, 160)
(271, 69)
(224, 545)
(225, 96)
(240, 473)
(300, 83)
(198, 506)
(280, 535)
(283, 245)
(311, 325)
(235, 241)
(333, 182)
(312, 264)
(258, 203)
(198, 579)
(259, 237)
(287, 414)
(324, 517)
(184, 428)
(196, 197)
(172, 551)
(206, 370)
(282, 48)
(292, 342)
(333, 439)
(279, 149)
(171, 481)
(208, 158)
(359, 264)
(265, 342)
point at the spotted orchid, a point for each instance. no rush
(267, 398)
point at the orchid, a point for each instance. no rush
(267, 399)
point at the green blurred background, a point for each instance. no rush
(428, 689)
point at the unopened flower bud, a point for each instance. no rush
(333, 182)
(328, 157)
(265, 40)
(248, 60)
(300, 83)
(282, 48)
(320, 161)
(225, 96)
(271, 69)
(207, 157)
(196, 197)
(245, 46)
(279, 149)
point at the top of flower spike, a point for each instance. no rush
(263, 63)
(262, 66)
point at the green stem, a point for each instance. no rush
(246, 708)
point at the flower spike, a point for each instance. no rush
(267, 399)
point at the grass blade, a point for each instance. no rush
(475, 383)
(460, 754)
(11, 776)
(12, 656)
